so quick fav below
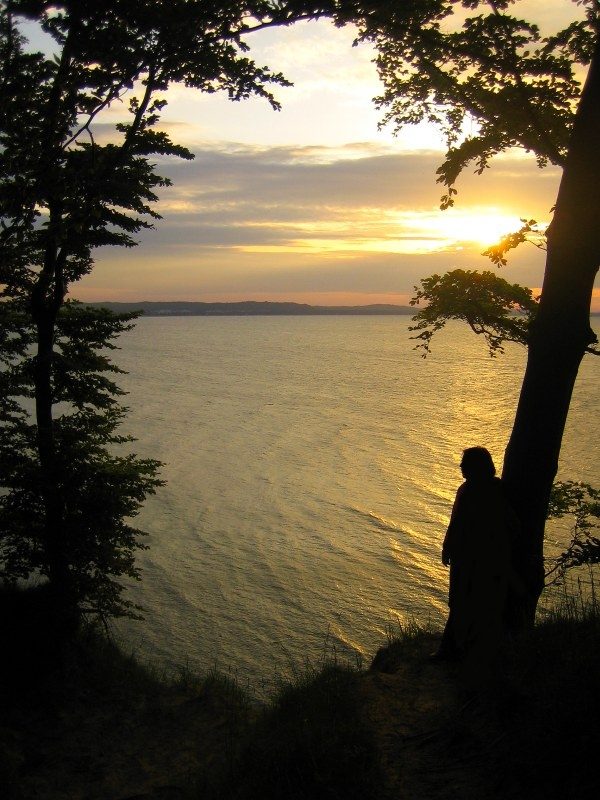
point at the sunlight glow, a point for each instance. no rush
(482, 226)
(387, 231)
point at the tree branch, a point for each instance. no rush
(284, 22)
(142, 108)
(112, 95)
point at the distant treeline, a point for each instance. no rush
(249, 308)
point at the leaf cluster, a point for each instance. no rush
(581, 502)
(491, 81)
(529, 231)
(477, 66)
(491, 306)
(101, 489)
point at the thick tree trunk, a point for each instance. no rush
(558, 340)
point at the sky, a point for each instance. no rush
(313, 203)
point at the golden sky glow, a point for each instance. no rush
(314, 202)
(387, 231)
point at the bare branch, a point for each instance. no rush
(112, 95)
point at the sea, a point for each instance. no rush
(310, 466)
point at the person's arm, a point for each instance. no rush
(451, 533)
(446, 552)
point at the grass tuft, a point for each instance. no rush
(309, 743)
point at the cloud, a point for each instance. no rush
(355, 218)
(363, 193)
(364, 175)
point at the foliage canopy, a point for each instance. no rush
(489, 78)
(491, 306)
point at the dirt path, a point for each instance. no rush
(433, 741)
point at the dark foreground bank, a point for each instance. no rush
(100, 725)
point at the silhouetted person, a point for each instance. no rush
(477, 547)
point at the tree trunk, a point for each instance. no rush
(46, 300)
(53, 505)
(62, 613)
(558, 340)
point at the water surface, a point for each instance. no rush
(311, 464)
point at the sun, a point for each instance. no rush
(483, 227)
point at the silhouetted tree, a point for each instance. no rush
(98, 489)
(67, 187)
(450, 62)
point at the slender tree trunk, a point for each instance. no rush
(53, 504)
(46, 300)
(557, 342)
(63, 610)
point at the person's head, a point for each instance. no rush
(477, 464)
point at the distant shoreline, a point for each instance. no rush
(250, 308)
